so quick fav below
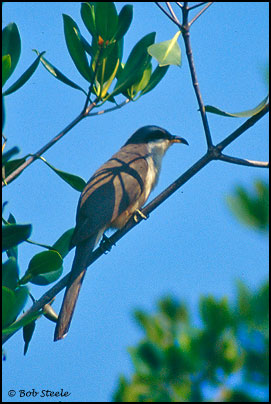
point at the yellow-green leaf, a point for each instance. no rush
(167, 52)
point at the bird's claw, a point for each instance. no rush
(139, 213)
(106, 244)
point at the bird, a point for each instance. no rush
(114, 193)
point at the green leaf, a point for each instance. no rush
(7, 156)
(62, 245)
(124, 21)
(173, 310)
(244, 114)
(10, 273)
(11, 166)
(14, 234)
(106, 20)
(58, 75)
(88, 17)
(251, 208)
(13, 303)
(28, 331)
(108, 66)
(107, 84)
(24, 77)
(47, 277)
(21, 323)
(167, 52)
(137, 61)
(13, 251)
(155, 79)
(41, 263)
(147, 358)
(3, 114)
(141, 83)
(88, 48)
(11, 44)
(215, 314)
(73, 180)
(75, 47)
(6, 68)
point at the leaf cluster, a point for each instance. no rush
(252, 209)
(178, 362)
(99, 60)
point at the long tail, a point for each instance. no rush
(79, 267)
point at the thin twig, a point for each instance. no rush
(172, 13)
(244, 162)
(179, 4)
(104, 111)
(166, 13)
(200, 13)
(197, 5)
(97, 64)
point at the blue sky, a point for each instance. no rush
(191, 245)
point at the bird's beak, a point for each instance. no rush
(176, 139)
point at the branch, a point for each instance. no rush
(168, 15)
(34, 157)
(189, 54)
(110, 109)
(172, 13)
(200, 13)
(51, 293)
(197, 5)
(213, 153)
(41, 151)
(244, 162)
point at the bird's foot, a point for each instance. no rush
(106, 244)
(139, 213)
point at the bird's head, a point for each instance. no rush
(156, 136)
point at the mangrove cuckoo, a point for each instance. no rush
(118, 189)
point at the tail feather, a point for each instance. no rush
(79, 267)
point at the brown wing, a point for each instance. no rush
(113, 188)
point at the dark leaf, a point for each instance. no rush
(13, 301)
(41, 263)
(11, 44)
(124, 21)
(75, 47)
(58, 75)
(14, 234)
(24, 77)
(28, 331)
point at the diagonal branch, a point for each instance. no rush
(200, 13)
(197, 5)
(213, 153)
(51, 293)
(47, 146)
